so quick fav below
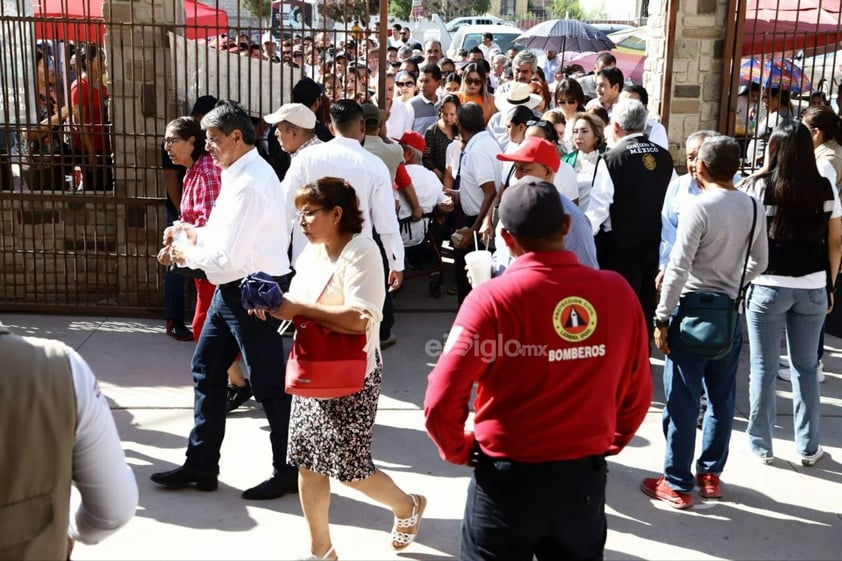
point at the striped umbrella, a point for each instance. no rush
(565, 35)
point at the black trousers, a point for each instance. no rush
(552, 510)
(463, 287)
(638, 265)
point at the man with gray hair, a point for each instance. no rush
(245, 233)
(524, 66)
(630, 183)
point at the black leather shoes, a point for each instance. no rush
(272, 488)
(238, 395)
(182, 477)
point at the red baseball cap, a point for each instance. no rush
(414, 139)
(534, 149)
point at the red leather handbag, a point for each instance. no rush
(323, 363)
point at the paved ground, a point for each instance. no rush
(783, 511)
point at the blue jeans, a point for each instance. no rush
(685, 379)
(802, 311)
(553, 510)
(230, 330)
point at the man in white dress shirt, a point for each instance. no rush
(243, 235)
(345, 157)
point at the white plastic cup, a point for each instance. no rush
(479, 266)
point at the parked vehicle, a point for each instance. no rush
(469, 36)
(454, 24)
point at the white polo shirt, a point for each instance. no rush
(478, 165)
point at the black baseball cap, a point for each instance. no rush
(532, 208)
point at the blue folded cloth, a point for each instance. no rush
(259, 291)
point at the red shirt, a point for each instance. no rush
(202, 183)
(93, 100)
(560, 356)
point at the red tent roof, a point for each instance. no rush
(776, 26)
(81, 20)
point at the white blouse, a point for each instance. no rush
(355, 279)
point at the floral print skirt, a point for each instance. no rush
(333, 436)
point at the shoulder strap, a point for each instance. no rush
(742, 291)
(595, 167)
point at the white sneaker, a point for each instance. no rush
(820, 372)
(813, 458)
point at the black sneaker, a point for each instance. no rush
(273, 488)
(178, 331)
(238, 395)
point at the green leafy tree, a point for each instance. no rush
(477, 7)
(400, 8)
(350, 10)
(258, 8)
(570, 9)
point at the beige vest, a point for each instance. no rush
(37, 432)
(832, 152)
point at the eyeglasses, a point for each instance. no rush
(473, 81)
(296, 55)
(169, 141)
(533, 123)
(404, 84)
(307, 215)
(567, 102)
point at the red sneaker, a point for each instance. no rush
(709, 485)
(657, 488)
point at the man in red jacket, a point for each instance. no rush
(560, 356)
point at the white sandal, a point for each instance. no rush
(401, 538)
(329, 554)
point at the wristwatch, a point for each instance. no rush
(659, 323)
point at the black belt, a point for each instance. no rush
(505, 464)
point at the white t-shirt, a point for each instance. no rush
(399, 121)
(479, 165)
(428, 190)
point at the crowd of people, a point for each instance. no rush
(597, 243)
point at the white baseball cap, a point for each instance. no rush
(296, 114)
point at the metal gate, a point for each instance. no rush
(786, 52)
(82, 198)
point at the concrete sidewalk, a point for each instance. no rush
(782, 511)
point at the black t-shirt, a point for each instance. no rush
(167, 163)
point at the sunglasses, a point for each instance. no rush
(533, 123)
(404, 84)
(567, 102)
(473, 81)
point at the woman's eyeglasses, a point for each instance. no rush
(567, 102)
(473, 81)
(307, 215)
(404, 84)
(169, 141)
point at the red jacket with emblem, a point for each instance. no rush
(560, 356)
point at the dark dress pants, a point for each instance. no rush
(638, 265)
(230, 330)
(552, 510)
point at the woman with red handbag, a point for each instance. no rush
(338, 288)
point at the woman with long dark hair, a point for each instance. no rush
(439, 135)
(796, 290)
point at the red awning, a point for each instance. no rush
(785, 26)
(204, 21)
(81, 20)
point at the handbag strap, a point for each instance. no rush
(742, 291)
(286, 323)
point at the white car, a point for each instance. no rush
(469, 36)
(456, 23)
